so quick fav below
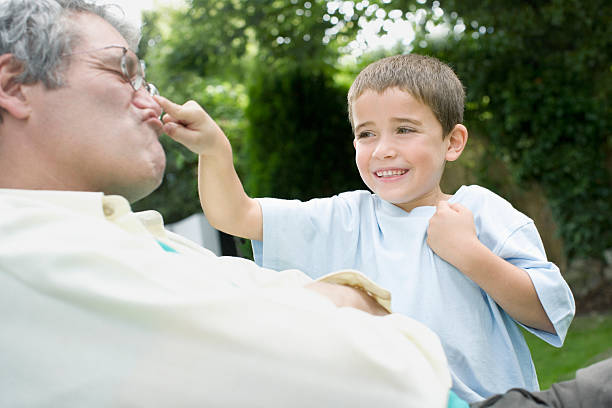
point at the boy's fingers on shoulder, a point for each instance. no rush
(455, 206)
(442, 205)
(460, 207)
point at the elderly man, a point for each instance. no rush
(102, 307)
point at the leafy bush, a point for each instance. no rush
(299, 141)
(538, 78)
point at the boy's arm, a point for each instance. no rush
(452, 236)
(224, 201)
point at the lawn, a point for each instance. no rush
(589, 340)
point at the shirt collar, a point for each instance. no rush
(79, 201)
(114, 208)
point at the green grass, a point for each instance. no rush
(589, 340)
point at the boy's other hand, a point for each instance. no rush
(347, 296)
(451, 230)
(190, 125)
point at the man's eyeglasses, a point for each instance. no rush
(132, 68)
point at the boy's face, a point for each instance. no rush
(399, 148)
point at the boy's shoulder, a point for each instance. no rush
(482, 200)
(348, 201)
(477, 192)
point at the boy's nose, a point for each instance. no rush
(384, 150)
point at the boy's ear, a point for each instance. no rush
(12, 98)
(457, 139)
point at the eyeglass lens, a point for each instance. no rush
(134, 71)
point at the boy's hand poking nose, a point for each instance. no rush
(191, 126)
(451, 231)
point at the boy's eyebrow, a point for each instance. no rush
(395, 120)
(364, 124)
(413, 121)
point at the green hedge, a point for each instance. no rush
(298, 142)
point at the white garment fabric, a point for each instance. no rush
(95, 313)
(486, 350)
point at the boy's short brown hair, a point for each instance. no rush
(427, 79)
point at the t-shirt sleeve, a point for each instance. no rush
(311, 236)
(524, 249)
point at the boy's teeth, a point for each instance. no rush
(389, 173)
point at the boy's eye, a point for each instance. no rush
(364, 134)
(405, 130)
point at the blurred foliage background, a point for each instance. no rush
(274, 74)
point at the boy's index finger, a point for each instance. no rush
(168, 106)
(189, 114)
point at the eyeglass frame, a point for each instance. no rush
(138, 82)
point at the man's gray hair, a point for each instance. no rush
(38, 33)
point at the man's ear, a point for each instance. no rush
(457, 139)
(12, 98)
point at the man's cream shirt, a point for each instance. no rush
(96, 314)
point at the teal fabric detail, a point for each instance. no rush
(455, 402)
(166, 247)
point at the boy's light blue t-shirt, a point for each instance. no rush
(485, 348)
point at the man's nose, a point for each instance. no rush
(143, 100)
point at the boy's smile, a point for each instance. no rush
(388, 173)
(400, 150)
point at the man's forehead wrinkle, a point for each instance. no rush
(88, 28)
(104, 57)
(110, 55)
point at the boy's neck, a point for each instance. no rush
(430, 199)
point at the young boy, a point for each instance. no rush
(467, 265)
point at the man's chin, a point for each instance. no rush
(144, 188)
(154, 185)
